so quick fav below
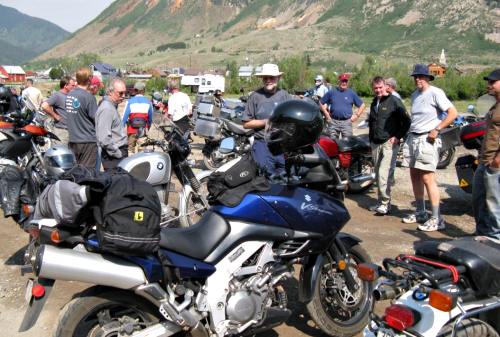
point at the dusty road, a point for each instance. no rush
(382, 236)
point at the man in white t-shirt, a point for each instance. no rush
(179, 108)
(32, 96)
(423, 145)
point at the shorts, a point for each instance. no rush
(420, 154)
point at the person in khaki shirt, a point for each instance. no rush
(486, 185)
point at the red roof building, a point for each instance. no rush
(14, 74)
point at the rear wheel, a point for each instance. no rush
(470, 327)
(445, 158)
(103, 312)
(336, 310)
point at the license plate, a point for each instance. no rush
(28, 294)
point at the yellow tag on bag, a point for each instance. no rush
(139, 216)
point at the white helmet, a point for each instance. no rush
(319, 78)
(58, 159)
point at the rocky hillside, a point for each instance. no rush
(199, 33)
(23, 37)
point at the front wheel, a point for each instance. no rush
(105, 312)
(336, 310)
(195, 205)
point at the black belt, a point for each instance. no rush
(419, 133)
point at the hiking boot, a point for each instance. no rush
(383, 209)
(419, 217)
(433, 224)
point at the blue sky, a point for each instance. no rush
(68, 14)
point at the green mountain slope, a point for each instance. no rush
(215, 31)
(23, 37)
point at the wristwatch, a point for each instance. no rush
(438, 129)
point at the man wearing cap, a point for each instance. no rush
(81, 107)
(138, 113)
(391, 87)
(337, 104)
(110, 131)
(423, 144)
(95, 85)
(259, 108)
(55, 106)
(486, 185)
(179, 108)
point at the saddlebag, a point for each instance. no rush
(229, 187)
(465, 167)
(208, 127)
(128, 217)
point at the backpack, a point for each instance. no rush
(128, 217)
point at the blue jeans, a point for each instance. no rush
(486, 201)
(272, 165)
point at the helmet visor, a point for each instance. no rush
(64, 161)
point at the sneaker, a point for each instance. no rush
(419, 217)
(383, 209)
(373, 208)
(431, 225)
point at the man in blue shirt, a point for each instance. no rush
(337, 104)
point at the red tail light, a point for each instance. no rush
(345, 159)
(329, 146)
(399, 317)
(38, 291)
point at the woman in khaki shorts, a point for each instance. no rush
(422, 146)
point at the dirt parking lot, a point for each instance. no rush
(382, 236)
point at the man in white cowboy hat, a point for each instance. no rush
(259, 108)
(423, 144)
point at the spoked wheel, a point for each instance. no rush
(195, 205)
(108, 313)
(336, 310)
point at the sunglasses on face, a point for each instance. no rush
(269, 78)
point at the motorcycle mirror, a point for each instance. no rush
(227, 145)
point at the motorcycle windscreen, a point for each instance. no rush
(307, 210)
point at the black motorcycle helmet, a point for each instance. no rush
(5, 99)
(293, 125)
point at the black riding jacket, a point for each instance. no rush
(388, 120)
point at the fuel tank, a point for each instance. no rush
(152, 167)
(293, 207)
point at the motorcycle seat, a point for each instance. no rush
(237, 129)
(480, 257)
(196, 241)
(353, 143)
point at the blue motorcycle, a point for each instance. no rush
(223, 276)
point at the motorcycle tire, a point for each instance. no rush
(194, 206)
(445, 158)
(469, 327)
(96, 311)
(357, 169)
(352, 315)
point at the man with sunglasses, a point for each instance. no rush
(486, 186)
(259, 108)
(81, 107)
(110, 131)
(336, 106)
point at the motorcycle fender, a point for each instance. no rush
(35, 306)
(309, 276)
(310, 271)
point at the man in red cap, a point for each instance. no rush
(337, 104)
(95, 85)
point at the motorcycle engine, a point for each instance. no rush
(247, 302)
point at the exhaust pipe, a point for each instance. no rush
(72, 265)
(362, 178)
